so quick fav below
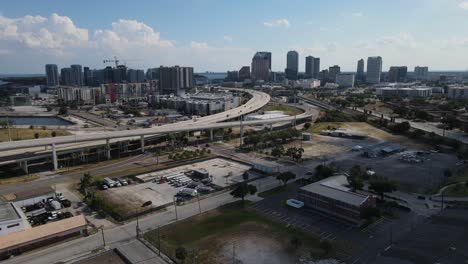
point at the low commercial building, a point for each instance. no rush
(345, 80)
(332, 196)
(10, 219)
(18, 242)
(457, 92)
(404, 92)
(32, 196)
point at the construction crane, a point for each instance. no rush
(115, 60)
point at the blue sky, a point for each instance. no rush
(220, 35)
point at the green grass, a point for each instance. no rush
(26, 133)
(459, 190)
(287, 109)
(318, 127)
(273, 191)
(206, 232)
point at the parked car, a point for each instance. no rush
(66, 203)
(103, 186)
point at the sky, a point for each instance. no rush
(221, 35)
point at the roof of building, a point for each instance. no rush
(335, 188)
(40, 232)
(30, 193)
(8, 212)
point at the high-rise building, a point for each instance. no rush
(421, 73)
(316, 67)
(76, 75)
(397, 74)
(309, 67)
(261, 66)
(135, 76)
(152, 74)
(374, 69)
(332, 72)
(87, 76)
(232, 76)
(360, 70)
(52, 75)
(175, 80)
(120, 74)
(292, 65)
(323, 76)
(65, 76)
(244, 73)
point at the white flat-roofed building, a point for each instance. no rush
(404, 92)
(10, 219)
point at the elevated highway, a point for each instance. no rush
(22, 150)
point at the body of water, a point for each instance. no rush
(37, 121)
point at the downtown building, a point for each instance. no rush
(374, 69)
(360, 75)
(397, 74)
(261, 66)
(52, 75)
(332, 72)
(312, 67)
(292, 65)
(175, 80)
(345, 80)
(421, 73)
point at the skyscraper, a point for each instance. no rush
(421, 73)
(397, 74)
(76, 75)
(244, 73)
(261, 66)
(174, 80)
(52, 75)
(316, 68)
(360, 70)
(65, 76)
(309, 67)
(120, 74)
(87, 76)
(332, 72)
(374, 69)
(135, 76)
(292, 65)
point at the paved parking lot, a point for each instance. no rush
(225, 172)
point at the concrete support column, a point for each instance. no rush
(24, 166)
(108, 149)
(241, 132)
(211, 135)
(271, 127)
(142, 142)
(54, 157)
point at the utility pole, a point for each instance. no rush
(8, 125)
(241, 132)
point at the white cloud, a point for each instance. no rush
(227, 38)
(56, 32)
(199, 45)
(463, 5)
(277, 23)
(357, 14)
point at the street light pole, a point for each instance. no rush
(103, 238)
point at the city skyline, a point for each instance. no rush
(342, 33)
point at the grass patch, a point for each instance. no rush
(287, 109)
(208, 232)
(458, 190)
(273, 191)
(14, 180)
(26, 133)
(318, 127)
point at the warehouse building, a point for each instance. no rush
(333, 196)
(10, 219)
